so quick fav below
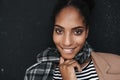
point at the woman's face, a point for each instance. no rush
(70, 32)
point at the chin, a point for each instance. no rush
(68, 57)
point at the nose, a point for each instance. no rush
(67, 40)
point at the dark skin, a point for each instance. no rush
(69, 36)
(67, 69)
(69, 66)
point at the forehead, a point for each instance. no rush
(69, 12)
(69, 16)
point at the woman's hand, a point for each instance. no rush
(67, 69)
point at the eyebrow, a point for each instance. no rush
(72, 28)
(59, 26)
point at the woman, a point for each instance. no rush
(73, 58)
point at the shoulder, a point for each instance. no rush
(37, 68)
(45, 58)
(34, 71)
(108, 61)
(107, 56)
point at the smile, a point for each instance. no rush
(68, 50)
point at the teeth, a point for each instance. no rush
(68, 50)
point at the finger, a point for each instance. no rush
(61, 60)
(76, 65)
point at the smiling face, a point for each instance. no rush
(70, 32)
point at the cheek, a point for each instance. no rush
(80, 40)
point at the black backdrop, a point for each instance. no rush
(25, 28)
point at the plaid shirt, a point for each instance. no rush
(43, 69)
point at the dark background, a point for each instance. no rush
(25, 27)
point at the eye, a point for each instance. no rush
(78, 31)
(58, 30)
